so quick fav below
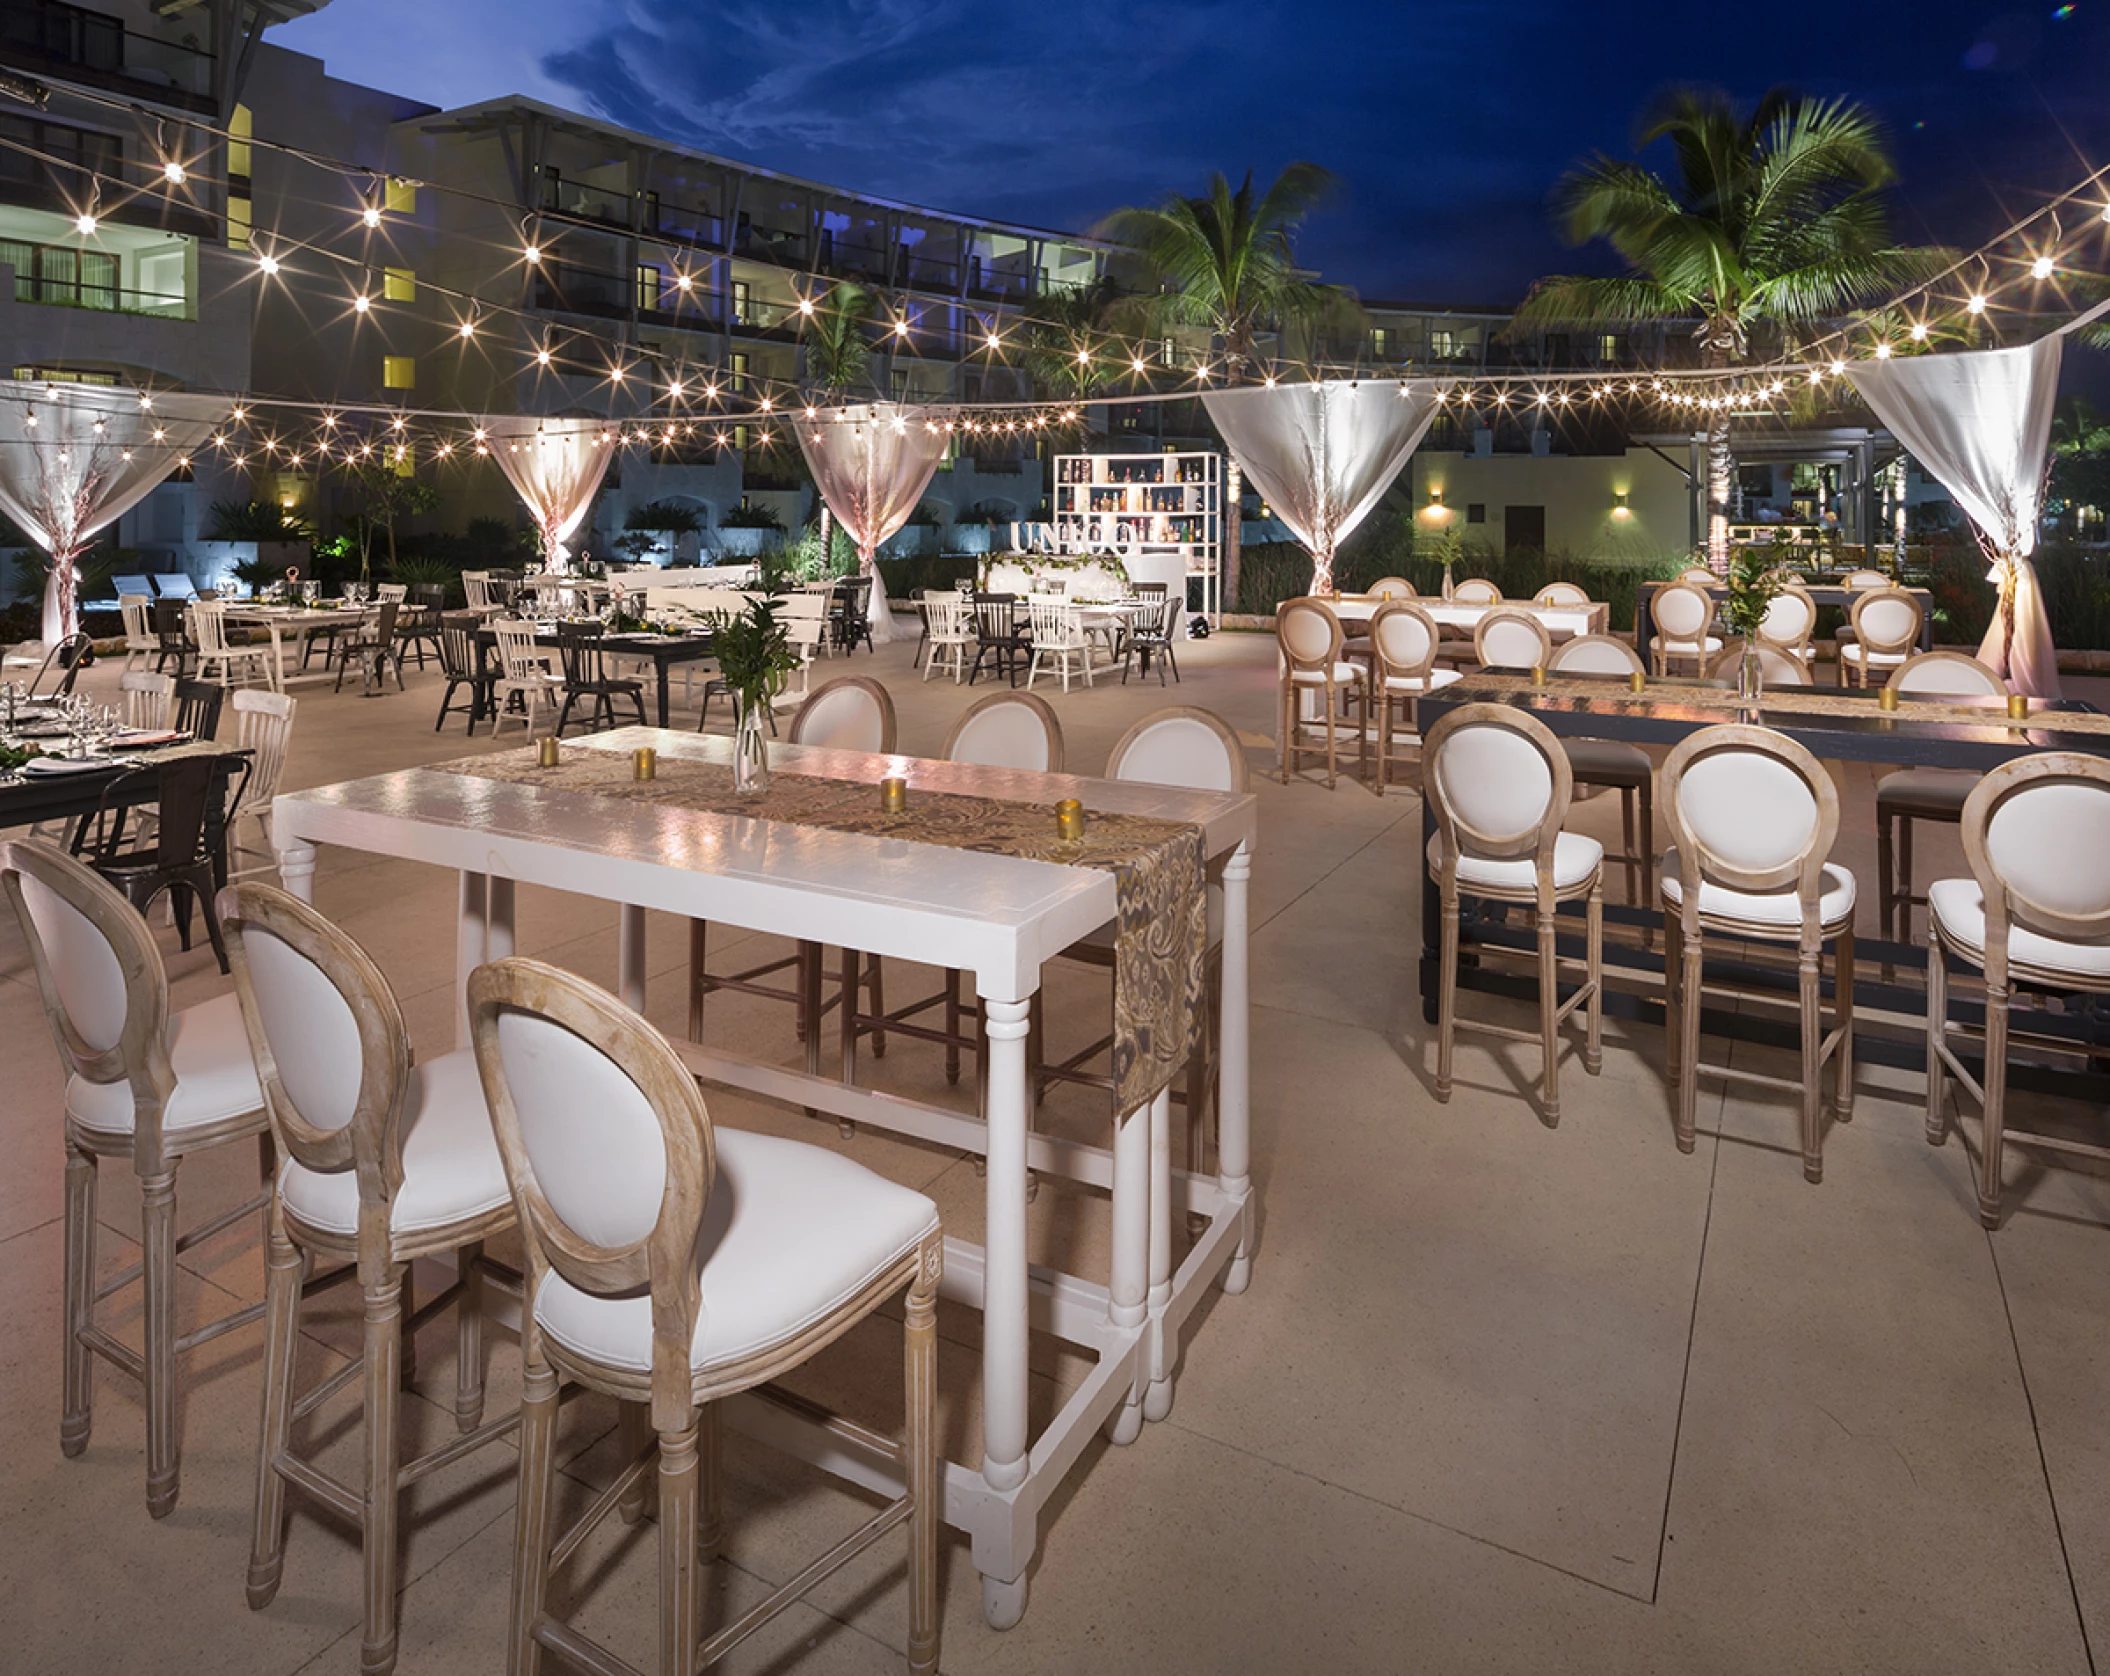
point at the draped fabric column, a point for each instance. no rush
(1323, 454)
(1979, 422)
(872, 463)
(74, 458)
(556, 466)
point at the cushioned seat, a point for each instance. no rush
(1575, 858)
(1862, 655)
(1603, 760)
(1415, 684)
(1317, 677)
(215, 1075)
(790, 1234)
(1958, 907)
(1686, 648)
(1938, 793)
(1835, 907)
(451, 1167)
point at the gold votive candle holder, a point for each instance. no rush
(548, 752)
(644, 763)
(1069, 819)
(1538, 675)
(1888, 698)
(2018, 707)
(1638, 681)
(893, 795)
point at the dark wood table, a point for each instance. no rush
(1852, 727)
(1821, 593)
(664, 651)
(28, 799)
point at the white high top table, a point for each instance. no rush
(997, 917)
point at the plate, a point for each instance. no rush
(54, 768)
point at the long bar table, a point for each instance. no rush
(997, 917)
(1821, 593)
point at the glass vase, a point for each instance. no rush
(1750, 677)
(750, 748)
(1449, 587)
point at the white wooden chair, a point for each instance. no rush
(672, 1264)
(1613, 764)
(140, 639)
(142, 1083)
(1886, 623)
(1511, 640)
(2035, 912)
(1499, 785)
(1753, 816)
(149, 700)
(385, 1163)
(1403, 644)
(1476, 590)
(1309, 637)
(951, 634)
(1682, 615)
(524, 673)
(219, 659)
(476, 588)
(1057, 632)
(264, 728)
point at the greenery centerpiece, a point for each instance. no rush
(1756, 580)
(755, 657)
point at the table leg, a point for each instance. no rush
(1234, 1073)
(1004, 1320)
(296, 870)
(1129, 1271)
(666, 671)
(469, 942)
(1164, 1347)
(278, 664)
(630, 957)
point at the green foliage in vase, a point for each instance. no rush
(1755, 582)
(753, 650)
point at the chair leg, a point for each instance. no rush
(710, 1473)
(1937, 1033)
(469, 1340)
(1807, 978)
(920, 1446)
(1904, 881)
(1996, 1006)
(531, 1518)
(1648, 855)
(1593, 1040)
(680, 1574)
(875, 979)
(1886, 888)
(1843, 1013)
(1691, 967)
(952, 1026)
(1549, 1029)
(267, 1545)
(633, 1433)
(1673, 1029)
(383, 1378)
(157, 1216)
(1446, 994)
(1333, 709)
(1628, 842)
(78, 1414)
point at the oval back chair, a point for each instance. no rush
(1512, 640)
(849, 713)
(1007, 730)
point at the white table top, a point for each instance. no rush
(301, 616)
(1001, 917)
(1559, 619)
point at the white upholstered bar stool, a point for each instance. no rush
(849, 713)
(1562, 594)
(672, 1264)
(385, 1163)
(1498, 786)
(1610, 764)
(1776, 668)
(1682, 615)
(1308, 634)
(1886, 624)
(1789, 623)
(1752, 818)
(1476, 590)
(1390, 587)
(2035, 911)
(141, 1083)
(1511, 640)
(1922, 794)
(1403, 645)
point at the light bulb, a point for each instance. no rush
(1883, 351)
(531, 253)
(683, 282)
(361, 303)
(806, 305)
(994, 341)
(85, 225)
(172, 172)
(674, 390)
(2040, 268)
(1977, 303)
(1919, 331)
(467, 328)
(901, 328)
(1136, 364)
(1084, 357)
(268, 264)
(542, 357)
(371, 215)
(1838, 367)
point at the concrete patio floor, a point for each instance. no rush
(1501, 1396)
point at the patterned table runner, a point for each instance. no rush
(1158, 866)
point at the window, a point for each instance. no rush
(237, 222)
(1557, 350)
(239, 128)
(48, 273)
(649, 280)
(900, 384)
(1383, 341)
(400, 196)
(399, 285)
(62, 375)
(399, 372)
(1476, 512)
(740, 442)
(1443, 344)
(742, 301)
(1166, 351)
(740, 375)
(1611, 346)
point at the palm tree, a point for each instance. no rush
(1059, 341)
(837, 355)
(1775, 222)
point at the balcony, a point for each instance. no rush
(930, 273)
(121, 271)
(592, 203)
(770, 244)
(687, 224)
(96, 50)
(567, 290)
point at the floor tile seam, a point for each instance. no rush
(1692, 1329)
(34, 1228)
(2036, 1432)
(1406, 1512)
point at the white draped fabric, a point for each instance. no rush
(1323, 454)
(872, 463)
(1979, 422)
(74, 458)
(555, 465)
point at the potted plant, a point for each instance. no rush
(1755, 582)
(754, 655)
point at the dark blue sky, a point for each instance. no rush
(1447, 120)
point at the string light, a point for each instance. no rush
(1883, 350)
(1919, 331)
(361, 303)
(267, 263)
(2040, 268)
(1977, 303)
(172, 172)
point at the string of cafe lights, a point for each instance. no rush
(1957, 300)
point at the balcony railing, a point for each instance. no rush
(95, 48)
(770, 244)
(593, 203)
(102, 299)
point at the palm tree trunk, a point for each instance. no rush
(1234, 537)
(1721, 463)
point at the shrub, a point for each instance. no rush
(751, 518)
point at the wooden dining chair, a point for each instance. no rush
(1789, 623)
(1390, 587)
(1753, 816)
(1613, 764)
(1776, 667)
(221, 659)
(1565, 594)
(264, 728)
(1309, 637)
(1886, 623)
(1498, 786)
(145, 1083)
(1403, 645)
(1511, 640)
(2035, 912)
(672, 1264)
(385, 1162)
(1922, 794)
(460, 668)
(525, 677)
(137, 610)
(1682, 615)
(1476, 590)
(149, 700)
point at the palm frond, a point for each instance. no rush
(1578, 300)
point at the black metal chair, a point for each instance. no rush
(586, 676)
(383, 647)
(999, 635)
(198, 708)
(1152, 634)
(66, 657)
(851, 613)
(182, 854)
(418, 625)
(458, 662)
(172, 638)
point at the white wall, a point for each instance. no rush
(1580, 494)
